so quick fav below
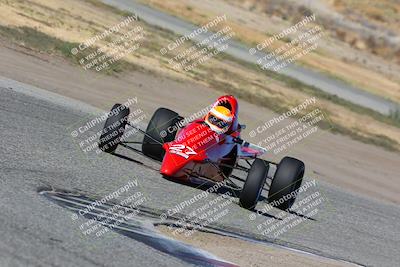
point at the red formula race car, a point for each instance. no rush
(208, 149)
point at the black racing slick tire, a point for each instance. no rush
(162, 128)
(254, 184)
(287, 180)
(114, 128)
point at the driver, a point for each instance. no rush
(219, 119)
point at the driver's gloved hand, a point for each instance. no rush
(238, 140)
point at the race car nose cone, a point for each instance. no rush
(167, 170)
(172, 164)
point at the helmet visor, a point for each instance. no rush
(217, 122)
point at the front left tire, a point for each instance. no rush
(254, 184)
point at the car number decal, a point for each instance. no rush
(182, 150)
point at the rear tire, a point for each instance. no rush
(162, 128)
(114, 128)
(254, 184)
(287, 179)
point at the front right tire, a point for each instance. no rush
(287, 180)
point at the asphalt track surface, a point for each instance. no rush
(240, 51)
(38, 152)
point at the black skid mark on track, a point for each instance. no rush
(141, 228)
(137, 229)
